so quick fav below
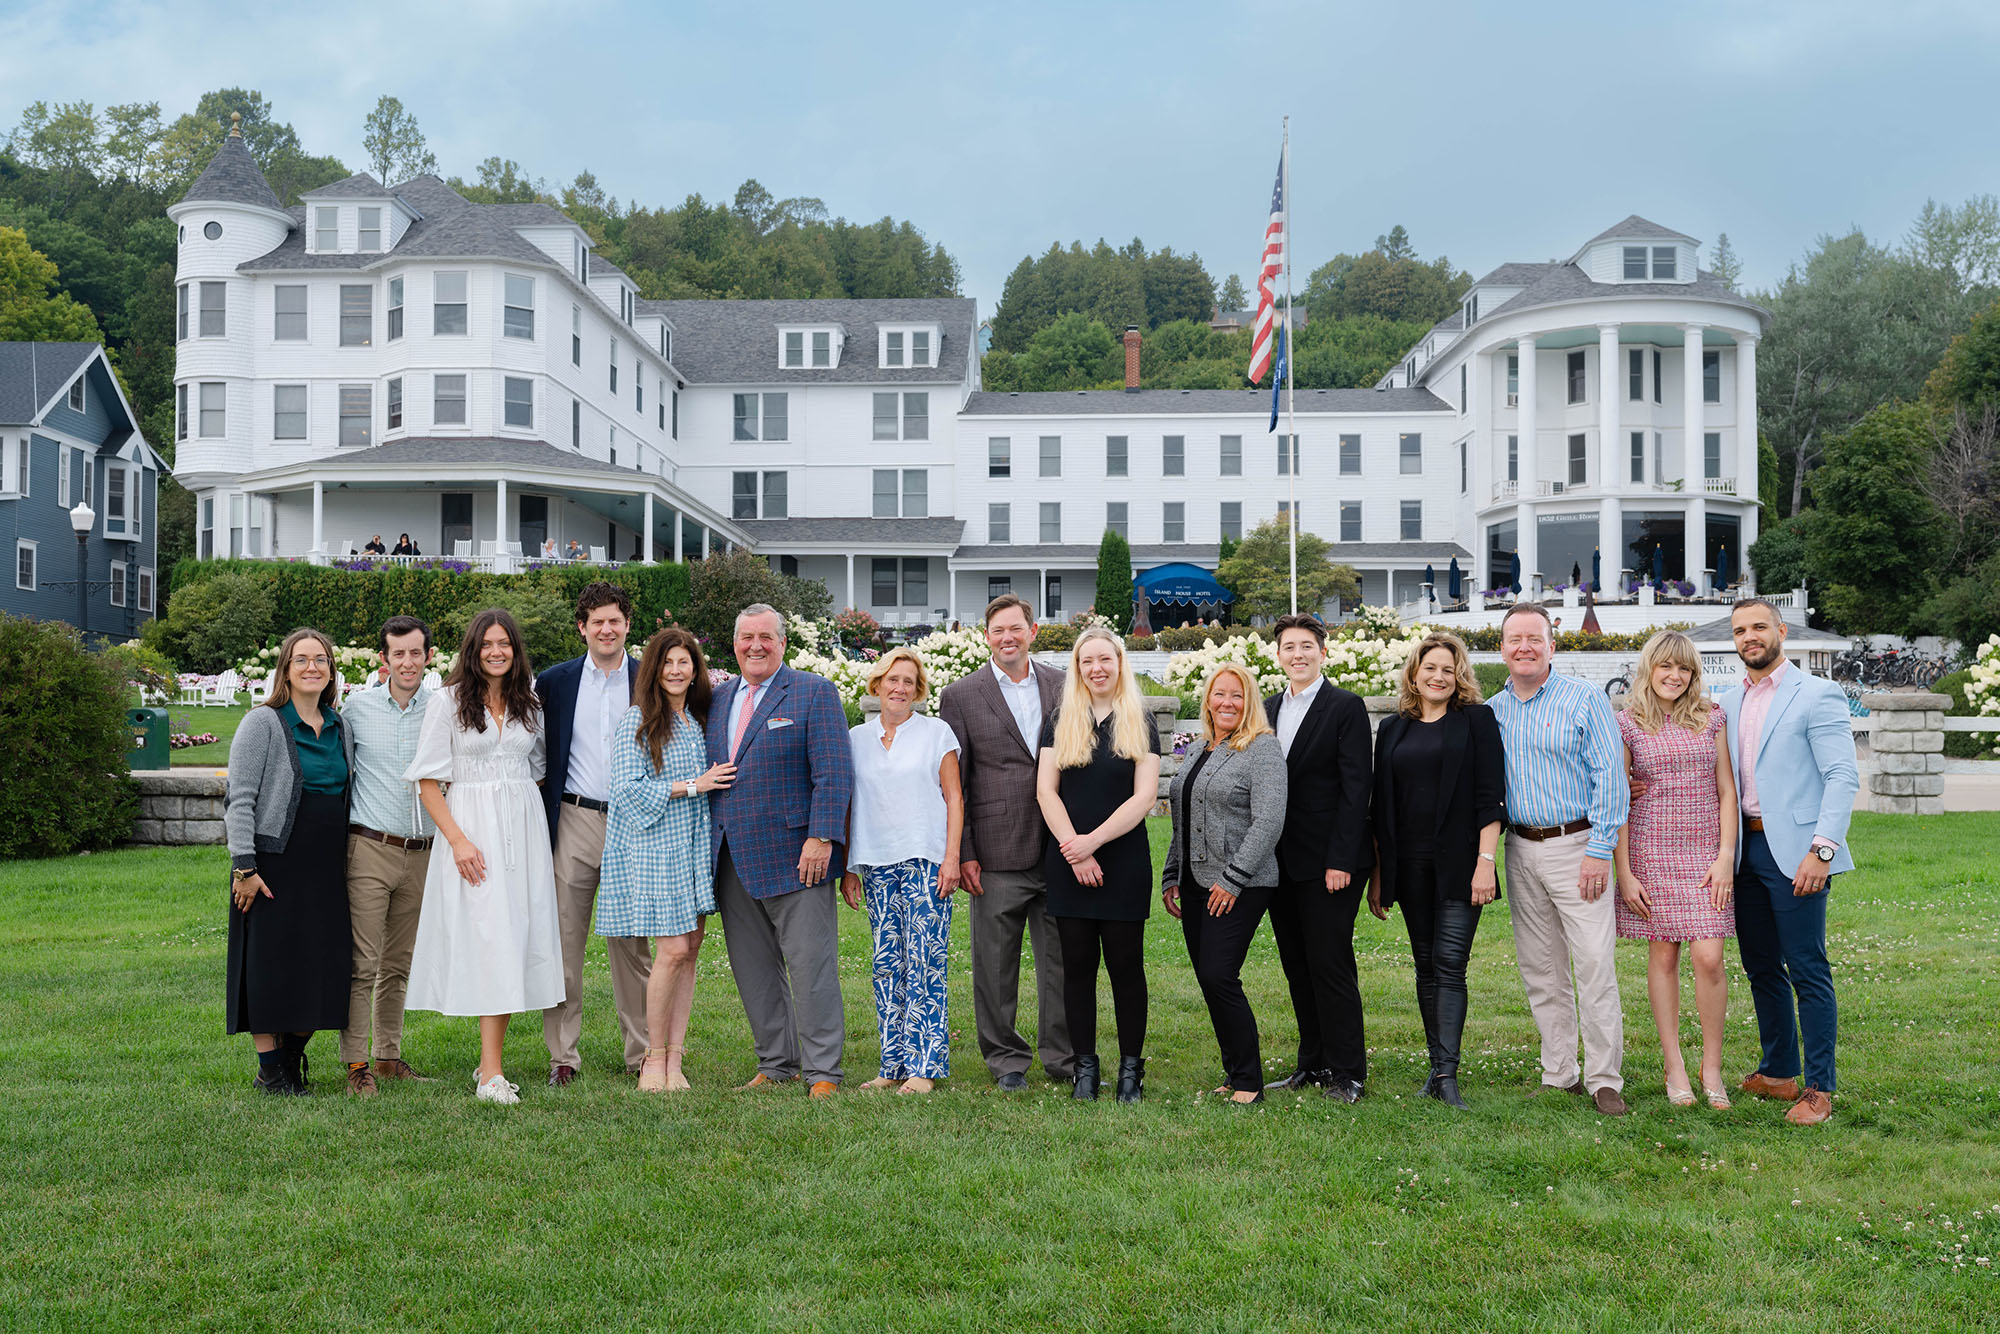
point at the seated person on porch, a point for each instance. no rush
(549, 548)
(574, 551)
(375, 546)
(404, 547)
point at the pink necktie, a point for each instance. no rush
(743, 723)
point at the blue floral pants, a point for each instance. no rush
(912, 930)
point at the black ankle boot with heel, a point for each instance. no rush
(1131, 1078)
(1086, 1079)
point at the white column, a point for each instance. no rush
(1608, 399)
(1524, 510)
(850, 579)
(319, 518)
(646, 542)
(950, 591)
(1610, 540)
(1042, 590)
(677, 536)
(1746, 448)
(705, 530)
(1694, 540)
(500, 515)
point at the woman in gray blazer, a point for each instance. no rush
(291, 943)
(1228, 806)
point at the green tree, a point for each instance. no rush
(501, 181)
(394, 144)
(1722, 261)
(1259, 572)
(1396, 245)
(31, 311)
(1075, 352)
(1873, 541)
(1114, 581)
(192, 140)
(1779, 553)
(132, 139)
(1232, 297)
(64, 743)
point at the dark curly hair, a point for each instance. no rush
(468, 678)
(602, 594)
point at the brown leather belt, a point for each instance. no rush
(393, 840)
(1544, 833)
(1754, 823)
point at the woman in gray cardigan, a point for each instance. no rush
(1228, 805)
(291, 943)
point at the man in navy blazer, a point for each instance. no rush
(1793, 750)
(583, 701)
(777, 834)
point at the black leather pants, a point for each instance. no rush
(1441, 932)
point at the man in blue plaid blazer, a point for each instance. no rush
(777, 832)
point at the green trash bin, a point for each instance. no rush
(151, 748)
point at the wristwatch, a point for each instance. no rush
(1823, 852)
(238, 874)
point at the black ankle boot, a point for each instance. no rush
(1086, 1079)
(293, 1045)
(1429, 1090)
(1131, 1078)
(1445, 1090)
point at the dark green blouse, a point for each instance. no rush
(322, 759)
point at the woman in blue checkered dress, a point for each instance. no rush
(658, 880)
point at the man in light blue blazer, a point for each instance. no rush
(1793, 749)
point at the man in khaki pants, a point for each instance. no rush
(1566, 801)
(583, 701)
(388, 851)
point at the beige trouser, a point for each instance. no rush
(579, 851)
(1556, 934)
(385, 894)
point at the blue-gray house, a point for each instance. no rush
(69, 438)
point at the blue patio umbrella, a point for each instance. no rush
(1514, 573)
(1659, 563)
(1431, 575)
(1456, 578)
(1722, 568)
(1596, 570)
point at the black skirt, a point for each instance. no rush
(291, 957)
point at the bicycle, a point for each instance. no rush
(1620, 684)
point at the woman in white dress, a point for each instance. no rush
(487, 940)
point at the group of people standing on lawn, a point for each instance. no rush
(1683, 819)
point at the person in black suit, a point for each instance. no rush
(1323, 859)
(1440, 796)
(583, 701)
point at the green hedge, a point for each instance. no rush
(64, 743)
(351, 605)
(1486, 639)
(1492, 677)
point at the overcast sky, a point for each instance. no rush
(1492, 132)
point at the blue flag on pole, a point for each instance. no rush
(1278, 377)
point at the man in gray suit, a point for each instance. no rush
(997, 714)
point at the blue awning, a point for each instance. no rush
(1181, 582)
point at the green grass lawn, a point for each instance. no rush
(221, 720)
(145, 1184)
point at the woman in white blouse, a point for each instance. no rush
(903, 832)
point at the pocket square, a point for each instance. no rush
(773, 724)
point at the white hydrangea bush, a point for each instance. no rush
(1364, 655)
(947, 655)
(1982, 690)
(354, 662)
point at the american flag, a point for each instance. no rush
(1272, 266)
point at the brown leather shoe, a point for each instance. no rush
(1813, 1107)
(1763, 1086)
(562, 1076)
(1610, 1102)
(764, 1081)
(1576, 1088)
(395, 1067)
(824, 1088)
(360, 1081)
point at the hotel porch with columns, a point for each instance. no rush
(1571, 491)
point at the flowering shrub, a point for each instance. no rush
(1365, 656)
(1982, 686)
(1086, 620)
(857, 629)
(186, 741)
(355, 662)
(947, 655)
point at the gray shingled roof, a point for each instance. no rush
(736, 342)
(33, 373)
(1637, 228)
(433, 450)
(1198, 402)
(358, 186)
(1719, 632)
(597, 266)
(1513, 275)
(935, 531)
(232, 177)
(450, 227)
(1078, 553)
(529, 215)
(1567, 282)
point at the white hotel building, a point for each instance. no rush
(397, 359)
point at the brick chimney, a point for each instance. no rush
(1131, 358)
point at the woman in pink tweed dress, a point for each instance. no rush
(1676, 857)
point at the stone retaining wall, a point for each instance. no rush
(179, 808)
(1906, 745)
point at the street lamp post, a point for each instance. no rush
(81, 519)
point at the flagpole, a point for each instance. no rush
(1291, 355)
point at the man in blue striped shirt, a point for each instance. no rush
(1566, 802)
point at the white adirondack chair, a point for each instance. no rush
(597, 555)
(348, 547)
(432, 680)
(260, 689)
(190, 689)
(462, 548)
(227, 685)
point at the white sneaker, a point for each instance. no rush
(499, 1089)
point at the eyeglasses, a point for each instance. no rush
(320, 662)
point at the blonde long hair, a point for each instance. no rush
(1672, 648)
(1076, 730)
(1252, 724)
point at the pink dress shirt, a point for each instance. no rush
(1757, 699)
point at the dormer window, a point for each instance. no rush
(326, 230)
(1664, 263)
(893, 353)
(906, 346)
(371, 230)
(1635, 263)
(795, 348)
(807, 348)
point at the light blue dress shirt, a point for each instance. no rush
(1565, 761)
(385, 744)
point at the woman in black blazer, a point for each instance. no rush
(1440, 796)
